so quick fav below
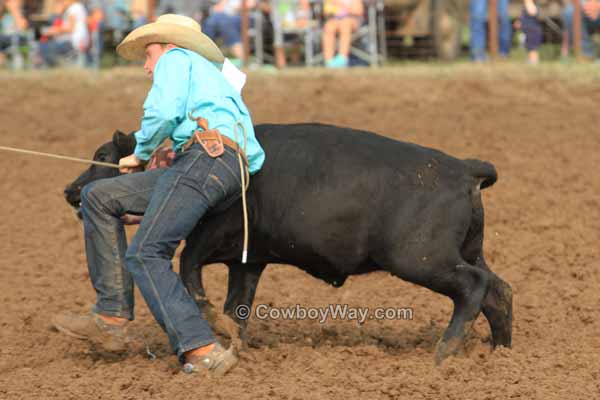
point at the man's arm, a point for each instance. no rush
(164, 108)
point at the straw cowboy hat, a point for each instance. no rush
(169, 28)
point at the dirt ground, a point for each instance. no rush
(542, 236)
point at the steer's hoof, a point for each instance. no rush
(447, 348)
(226, 326)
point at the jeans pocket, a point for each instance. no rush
(224, 177)
(229, 163)
(214, 180)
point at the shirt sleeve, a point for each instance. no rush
(164, 108)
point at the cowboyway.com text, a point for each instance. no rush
(322, 314)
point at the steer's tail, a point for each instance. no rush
(482, 170)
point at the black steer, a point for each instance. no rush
(337, 202)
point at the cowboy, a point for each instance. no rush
(183, 63)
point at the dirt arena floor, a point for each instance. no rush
(542, 236)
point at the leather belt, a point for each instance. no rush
(210, 135)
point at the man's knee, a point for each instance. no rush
(138, 253)
(91, 195)
(97, 195)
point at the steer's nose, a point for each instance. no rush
(72, 195)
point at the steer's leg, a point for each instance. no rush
(497, 307)
(243, 281)
(467, 286)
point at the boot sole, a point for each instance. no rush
(107, 344)
(69, 333)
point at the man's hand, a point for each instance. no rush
(130, 219)
(130, 164)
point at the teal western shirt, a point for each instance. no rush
(185, 82)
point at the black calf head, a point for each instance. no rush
(121, 146)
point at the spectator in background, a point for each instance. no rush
(138, 10)
(590, 20)
(68, 37)
(478, 23)
(532, 28)
(190, 8)
(224, 21)
(109, 14)
(342, 17)
(12, 26)
(287, 15)
(106, 15)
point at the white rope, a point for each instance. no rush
(245, 178)
(59, 157)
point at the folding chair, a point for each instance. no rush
(17, 46)
(370, 37)
(255, 32)
(16, 57)
(285, 26)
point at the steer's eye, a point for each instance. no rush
(101, 157)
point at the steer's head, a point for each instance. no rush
(121, 146)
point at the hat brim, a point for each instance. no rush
(133, 47)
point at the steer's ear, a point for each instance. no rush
(125, 143)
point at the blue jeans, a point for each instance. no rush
(225, 25)
(52, 50)
(172, 200)
(478, 23)
(587, 25)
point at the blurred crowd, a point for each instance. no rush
(530, 24)
(47, 33)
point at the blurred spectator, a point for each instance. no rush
(343, 17)
(106, 15)
(12, 26)
(590, 20)
(71, 36)
(109, 14)
(292, 13)
(138, 10)
(478, 22)
(288, 16)
(224, 21)
(532, 28)
(190, 8)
